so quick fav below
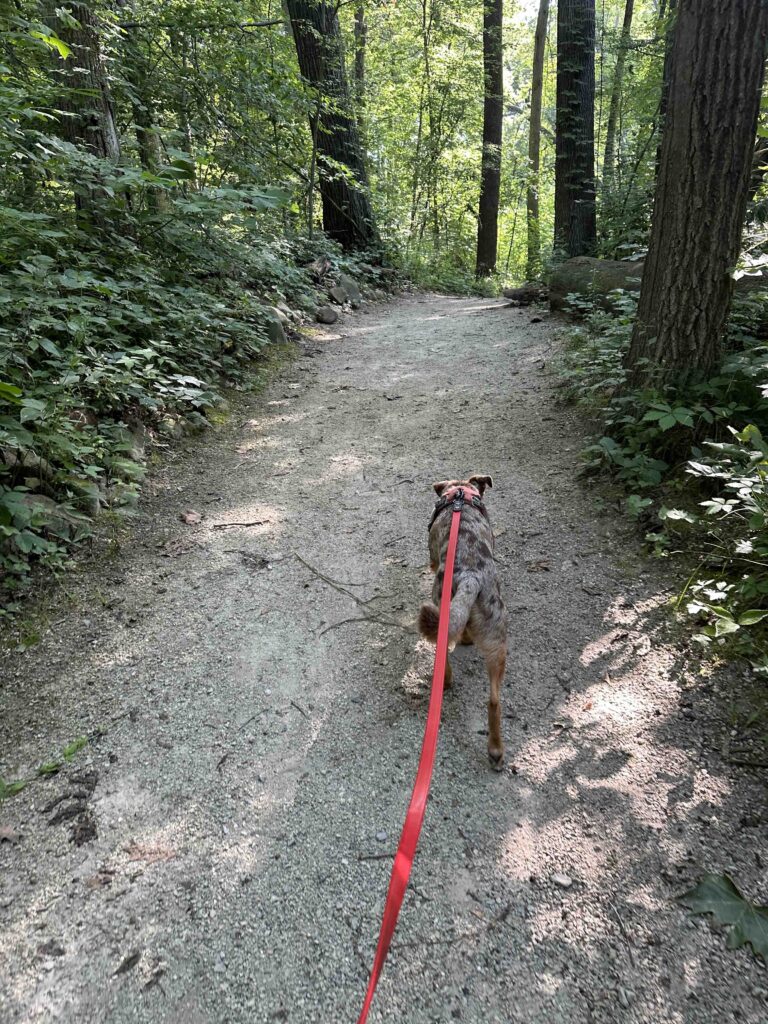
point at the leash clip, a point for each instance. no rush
(458, 500)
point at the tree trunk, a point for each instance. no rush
(707, 147)
(138, 76)
(533, 269)
(361, 39)
(84, 95)
(347, 213)
(613, 113)
(667, 18)
(575, 226)
(493, 111)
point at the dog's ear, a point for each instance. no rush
(481, 482)
(441, 486)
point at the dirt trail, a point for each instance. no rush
(260, 740)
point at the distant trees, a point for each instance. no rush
(493, 110)
(347, 213)
(618, 80)
(533, 262)
(575, 218)
(716, 74)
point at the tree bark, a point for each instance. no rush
(533, 269)
(347, 213)
(716, 77)
(84, 95)
(575, 224)
(84, 100)
(613, 113)
(493, 111)
(361, 39)
(667, 19)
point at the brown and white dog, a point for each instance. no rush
(478, 615)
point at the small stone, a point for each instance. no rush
(326, 315)
(562, 880)
(381, 837)
(350, 286)
(623, 997)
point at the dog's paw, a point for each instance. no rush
(496, 757)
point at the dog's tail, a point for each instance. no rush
(461, 606)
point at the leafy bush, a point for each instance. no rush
(694, 465)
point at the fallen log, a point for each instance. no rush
(595, 279)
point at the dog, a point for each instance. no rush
(478, 615)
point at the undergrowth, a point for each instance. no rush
(693, 465)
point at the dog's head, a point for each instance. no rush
(478, 482)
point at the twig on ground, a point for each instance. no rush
(624, 935)
(375, 856)
(336, 584)
(299, 708)
(229, 526)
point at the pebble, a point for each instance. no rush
(381, 837)
(564, 881)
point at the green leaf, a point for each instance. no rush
(53, 42)
(11, 788)
(717, 895)
(9, 392)
(667, 422)
(72, 748)
(725, 625)
(754, 615)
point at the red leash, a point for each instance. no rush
(401, 869)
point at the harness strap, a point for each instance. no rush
(401, 869)
(446, 500)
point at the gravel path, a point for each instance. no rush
(220, 851)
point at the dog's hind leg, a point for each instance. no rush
(495, 662)
(448, 681)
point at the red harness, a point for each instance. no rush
(401, 869)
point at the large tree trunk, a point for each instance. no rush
(493, 111)
(716, 77)
(533, 269)
(347, 213)
(667, 20)
(84, 100)
(84, 96)
(575, 226)
(613, 113)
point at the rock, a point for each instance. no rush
(196, 422)
(326, 315)
(563, 881)
(169, 426)
(349, 284)
(381, 837)
(339, 294)
(275, 326)
(280, 312)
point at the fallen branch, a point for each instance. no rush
(227, 526)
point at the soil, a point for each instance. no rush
(253, 694)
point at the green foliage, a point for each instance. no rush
(695, 465)
(132, 292)
(747, 922)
